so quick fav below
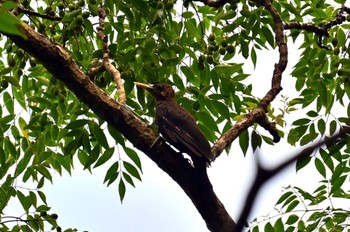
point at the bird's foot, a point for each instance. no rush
(155, 141)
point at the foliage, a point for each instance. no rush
(200, 50)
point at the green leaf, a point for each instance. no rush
(9, 5)
(341, 36)
(279, 225)
(24, 200)
(116, 135)
(100, 136)
(70, 16)
(207, 120)
(292, 205)
(301, 122)
(253, 56)
(23, 163)
(83, 158)
(112, 173)
(290, 8)
(9, 147)
(10, 24)
(228, 69)
(338, 183)
(292, 219)
(338, 171)
(244, 141)
(308, 138)
(132, 170)
(332, 127)
(187, 14)
(33, 198)
(221, 108)
(134, 157)
(12, 80)
(268, 227)
(128, 179)
(301, 225)
(73, 145)
(41, 183)
(322, 90)
(108, 153)
(42, 196)
(284, 197)
(77, 124)
(302, 162)
(122, 190)
(43, 208)
(255, 229)
(269, 36)
(312, 114)
(9, 102)
(245, 49)
(43, 171)
(320, 167)
(321, 125)
(255, 140)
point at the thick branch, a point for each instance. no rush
(198, 187)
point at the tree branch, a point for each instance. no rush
(259, 113)
(264, 174)
(322, 30)
(20, 9)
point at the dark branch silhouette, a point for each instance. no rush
(264, 174)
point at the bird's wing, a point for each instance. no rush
(181, 130)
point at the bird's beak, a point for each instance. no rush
(147, 87)
(144, 86)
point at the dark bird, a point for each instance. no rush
(177, 126)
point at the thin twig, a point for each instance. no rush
(20, 9)
(109, 67)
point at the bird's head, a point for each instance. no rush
(160, 92)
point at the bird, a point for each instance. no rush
(177, 126)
